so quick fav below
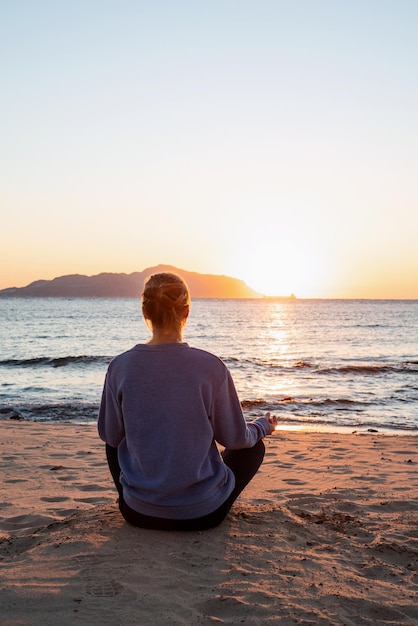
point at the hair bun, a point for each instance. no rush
(164, 298)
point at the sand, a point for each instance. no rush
(326, 533)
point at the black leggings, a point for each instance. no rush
(244, 463)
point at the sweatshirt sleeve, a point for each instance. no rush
(230, 427)
(110, 423)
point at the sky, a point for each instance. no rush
(275, 141)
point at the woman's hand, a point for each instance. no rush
(272, 420)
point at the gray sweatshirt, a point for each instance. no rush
(164, 407)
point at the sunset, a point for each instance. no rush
(273, 141)
(209, 312)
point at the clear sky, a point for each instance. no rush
(271, 140)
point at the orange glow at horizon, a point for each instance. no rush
(280, 164)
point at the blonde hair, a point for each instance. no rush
(164, 300)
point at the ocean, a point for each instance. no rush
(316, 364)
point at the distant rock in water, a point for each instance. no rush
(109, 285)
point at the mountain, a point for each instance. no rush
(109, 285)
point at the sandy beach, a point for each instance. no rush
(326, 533)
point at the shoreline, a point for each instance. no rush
(284, 427)
(324, 534)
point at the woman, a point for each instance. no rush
(164, 406)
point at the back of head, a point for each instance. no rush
(164, 301)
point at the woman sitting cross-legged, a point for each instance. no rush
(164, 408)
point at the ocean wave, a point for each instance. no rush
(371, 370)
(269, 404)
(63, 361)
(291, 413)
(263, 404)
(73, 412)
(330, 414)
(366, 369)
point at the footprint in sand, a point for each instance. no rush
(99, 581)
(54, 499)
(294, 481)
